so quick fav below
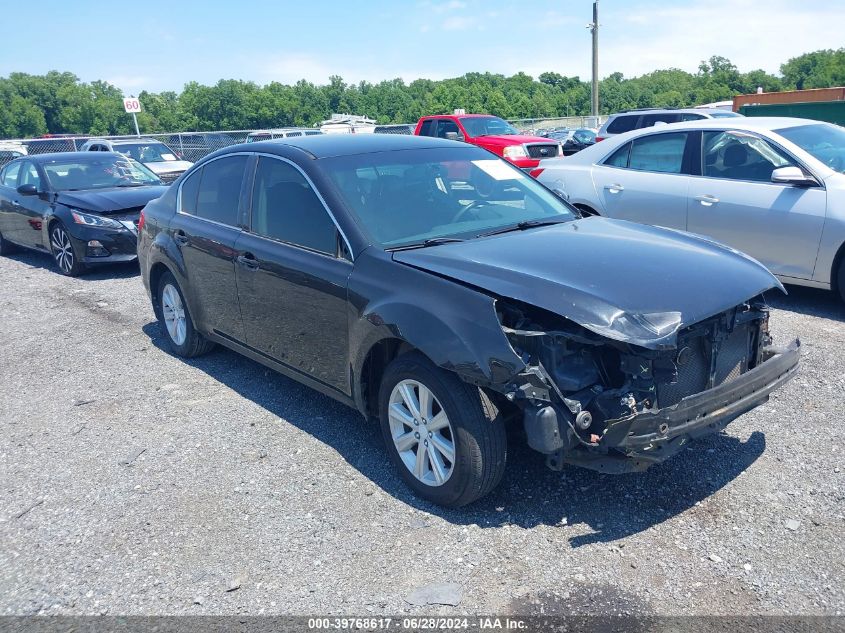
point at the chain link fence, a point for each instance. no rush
(192, 146)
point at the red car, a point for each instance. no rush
(493, 134)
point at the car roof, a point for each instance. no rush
(76, 156)
(286, 129)
(328, 145)
(463, 116)
(638, 111)
(736, 123)
(127, 141)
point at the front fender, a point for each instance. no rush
(453, 325)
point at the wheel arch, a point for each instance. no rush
(587, 209)
(378, 357)
(476, 350)
(835, 268)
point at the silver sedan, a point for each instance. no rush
(771, 187)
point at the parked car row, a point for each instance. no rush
(433, 287)
(773, 188)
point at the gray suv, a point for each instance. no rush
(646, 117)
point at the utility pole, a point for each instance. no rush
(594, 29)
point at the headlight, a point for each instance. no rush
(95, 220)
(515, 151)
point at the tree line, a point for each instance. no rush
(59, 103)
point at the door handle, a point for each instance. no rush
(180, 237)
(707, 200)
(614, 188)
(247, 260)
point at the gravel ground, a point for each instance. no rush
(134, 482)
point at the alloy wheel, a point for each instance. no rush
(62, 249)
(421, 432)
(174, 314)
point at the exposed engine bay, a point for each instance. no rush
(613, 406)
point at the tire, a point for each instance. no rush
(840, 277)
(175, 320)
(586, 211)
(64, 254)
(473, 428)
(6, 247)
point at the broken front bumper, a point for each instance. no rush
(637, 441)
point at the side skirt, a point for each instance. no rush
(283, 369)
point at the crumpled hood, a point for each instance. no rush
(626, 281)
(112, 199)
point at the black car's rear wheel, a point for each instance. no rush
(64, 254)
(6, 247)
(175, 320)
(444, 436)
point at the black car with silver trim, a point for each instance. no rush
(443, 292)
(81, 208)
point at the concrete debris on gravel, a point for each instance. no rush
(447, 593)
(200, 507)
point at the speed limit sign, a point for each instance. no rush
(132, 105)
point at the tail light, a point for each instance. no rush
(599, 138)
(534, 173)
(141, 222)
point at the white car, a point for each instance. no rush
(771, 187)
(160, 159)
(10, 150)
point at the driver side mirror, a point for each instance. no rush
(28, 190)
(793, 176)
(561, 194)
(455, 136)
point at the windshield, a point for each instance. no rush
(407, 197)
(99, 173)
(147, 152)
(487, 126)
(824, 141)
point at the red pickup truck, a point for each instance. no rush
(493, 134)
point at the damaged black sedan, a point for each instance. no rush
(440, 290)
(81, 208)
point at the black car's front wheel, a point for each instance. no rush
(64, 254)
(444, 436)
(175, 320)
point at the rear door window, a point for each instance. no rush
(623, 124)
(188, 193)
(658, 152)
(619, 158)
(219, 190)
(649, 120)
